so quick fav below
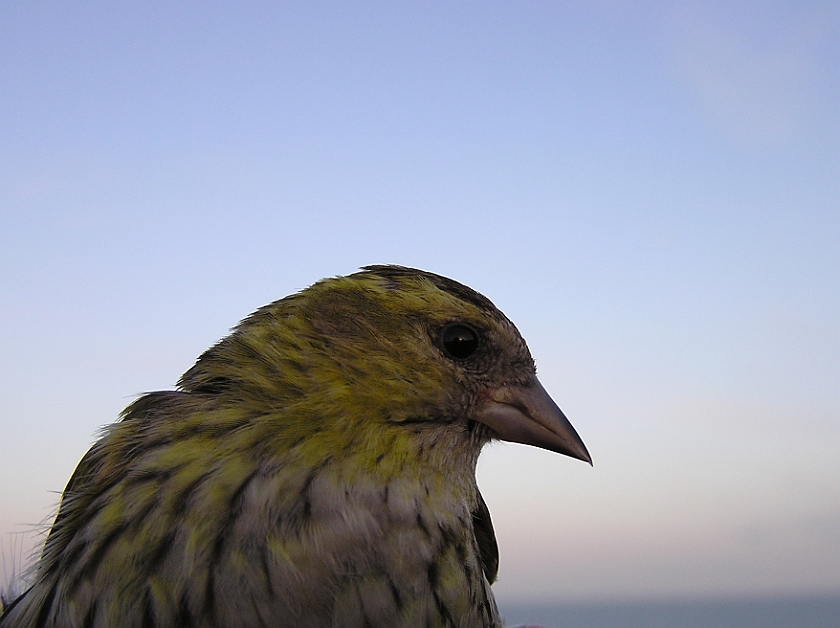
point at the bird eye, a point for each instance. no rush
(459, 340)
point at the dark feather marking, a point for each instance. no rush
(422, 526)
(184, 619)
(220, 431)
(234, 510)
(396, 593)
(151, 404)
(485, 537)
(461, 551)
(444, 613)
(71, 558)
(92, 564)
(257, 354)
(159, 553)
(209, 609)
(425, 420)
(486, 609)
(266, 569)
(148, 611)
(179, 503)
(214, 385)
(149, 475)
(72, 555)
(90, 617)
(307, 484)
(304, 491)
(46, 607)
(140, 517)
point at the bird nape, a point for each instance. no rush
(314, 468)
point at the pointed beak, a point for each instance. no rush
(527, 414)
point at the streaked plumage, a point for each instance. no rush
(314, 468)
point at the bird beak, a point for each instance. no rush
(527, 414)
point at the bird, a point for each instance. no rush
(314, 468)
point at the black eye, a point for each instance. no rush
(459, 340)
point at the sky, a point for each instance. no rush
(650, 191)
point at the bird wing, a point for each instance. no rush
(486, 538)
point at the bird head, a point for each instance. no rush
(385, 350)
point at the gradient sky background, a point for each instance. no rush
(651, 191)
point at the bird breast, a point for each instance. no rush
(335, 551)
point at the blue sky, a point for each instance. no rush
(651, 191)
